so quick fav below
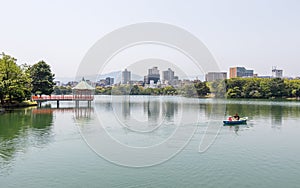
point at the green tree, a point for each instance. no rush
(148, 91)
(251, 89)
(26, 80)
(234, 92)
(201, 88)
(135, 90)
(277, 87)
(42, 79)
(234, 87)
(169, 90)
(218, 88)
(14, 81)
(292, 88)
(62, 90)
(265, 88)
(189, 90)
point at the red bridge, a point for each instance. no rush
(58, 98)
(63, 98)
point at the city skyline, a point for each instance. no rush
(118, 76)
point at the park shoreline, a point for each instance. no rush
(23, 104)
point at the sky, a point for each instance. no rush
(256, 34)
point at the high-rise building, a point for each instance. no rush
(276, 73)
(153, 74)
(126, 77)
(109, 81)
(240, 72)
(168, 75)
(213, 76)
(153, 71)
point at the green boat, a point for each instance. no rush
(236, 122)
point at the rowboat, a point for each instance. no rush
(236, 122)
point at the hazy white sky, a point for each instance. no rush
(256, 34)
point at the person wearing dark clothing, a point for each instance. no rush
(236, 116)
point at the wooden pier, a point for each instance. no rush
(58, 98)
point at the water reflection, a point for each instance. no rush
(83, 113)
(23, 128)
(170, 109)
(276, 116)
(125, 105)
(151, 111)
(236, 129)
(148, 118)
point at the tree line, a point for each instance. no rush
(196, 89)
(257, 88)
(19, 82)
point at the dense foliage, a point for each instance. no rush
(14, 80)
(18, 82)
(62, 90)
(42, 79)
(263, 88)
(197, 89)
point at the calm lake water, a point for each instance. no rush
(51, 147)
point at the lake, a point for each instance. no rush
(151, 141)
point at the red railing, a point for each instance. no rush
(62, 97)
(51, 110)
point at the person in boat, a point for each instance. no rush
(229, 118)
(236, 116)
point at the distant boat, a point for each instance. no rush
(236, 122)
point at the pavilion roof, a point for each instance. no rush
(83, 85)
